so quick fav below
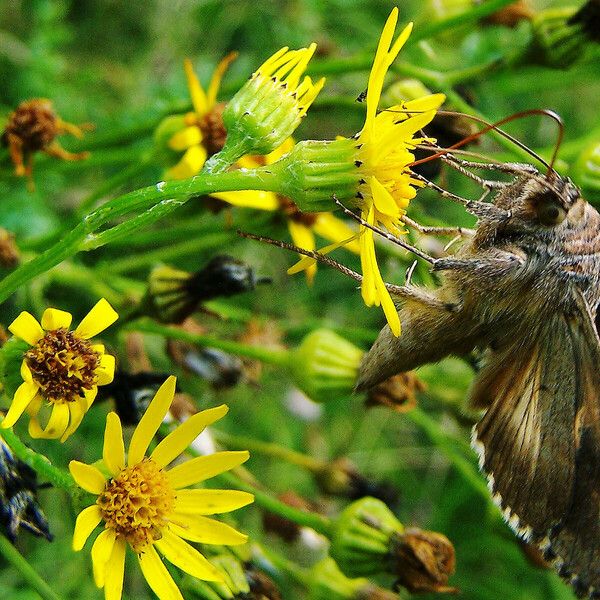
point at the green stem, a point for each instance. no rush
(13, 556)
(299, 574)
(269, 449)
(113, 182)
(39, 463)
(274, 357)
(319, 523)
(171, 252)
(135, 202)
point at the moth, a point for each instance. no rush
(524, 289)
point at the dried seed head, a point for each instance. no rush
(9, 253)
(213, 129)
(397, 392)
(422, 560)
(34, 123)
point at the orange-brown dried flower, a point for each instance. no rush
(32, 128)
(511, 15)
(397, 392)
(423, 560)
(9, 253)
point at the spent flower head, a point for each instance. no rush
(199, 133)
(269, 107)
(62, 369)
(33, 127)
(146, 505)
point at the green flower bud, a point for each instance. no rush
(316, 171)
(367, 539)
(325, 365)
(362, 536)
(586, 171)
(11, 358)
(557, 41)
(268, 108)
(327, 582)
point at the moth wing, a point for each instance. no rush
(539, 441)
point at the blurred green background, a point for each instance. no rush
(119, 65)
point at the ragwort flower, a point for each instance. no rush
(202, 132)
(62, 369)
(145, 505)
(383, 159)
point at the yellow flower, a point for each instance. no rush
(302, 225)
(383, 157)
(62, 368)
(203, 132)
(145, 504)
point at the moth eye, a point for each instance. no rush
(550, 213)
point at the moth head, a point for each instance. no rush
(542, 204)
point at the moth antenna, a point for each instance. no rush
(496, 127)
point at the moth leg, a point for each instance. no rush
(475, 207)
(512, 168)
(503, 262)
(459, 231)
(460, 166)
(388, 236)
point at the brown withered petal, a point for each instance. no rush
(397, 392)
(511, 15)
(9, 252)
(213, 129)
(423, 560)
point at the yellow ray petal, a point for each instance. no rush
(331, 228)
(77, 410)
(157, 576)
(23, 396)
(26, 373)
(185, 138)
(306, 261)
(101, 553)
(106, 371)
(205, 531)
(250, 199)
(190, 164)
(114, 571)
(188, 559)
(87, 477)
(203, 467)
(210, 502)
(303, 237)
(55, 319)
(87, 520)
(56, 426)
(382, 199)
(215, 80)
(179, 439)
(113, 451)
(26, 327)
(98, 319)
(197, 94)
(150, 422)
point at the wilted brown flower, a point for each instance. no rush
(511, 15)
(397, 392)
(32, 128)
(422, 560)
(9, 253)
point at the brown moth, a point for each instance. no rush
(525, 289)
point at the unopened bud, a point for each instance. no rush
(325, 366)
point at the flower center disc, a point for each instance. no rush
(136, 504)
(63, 365)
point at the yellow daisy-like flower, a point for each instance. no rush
(203, 132)
(302, 225)
(145, 505)
(383, 158)
(62, 369)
